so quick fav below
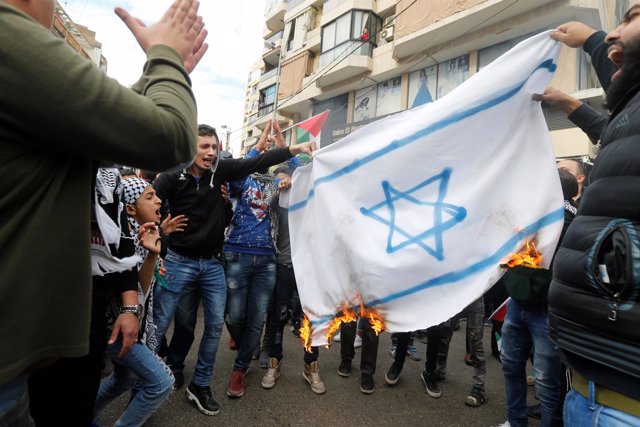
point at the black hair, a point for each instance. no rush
(206, 130)
(569, 184)
(282, 169)
(149, 175)
(124, 172)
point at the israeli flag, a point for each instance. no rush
(412, 214)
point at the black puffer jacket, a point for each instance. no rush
(594, 299)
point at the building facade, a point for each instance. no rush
(79, 37)
(366, 59)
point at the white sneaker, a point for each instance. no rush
(272, 375)
(358, 342)
(504, 424)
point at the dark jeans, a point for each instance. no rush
(64, 393)
(285, 288)
(250, 283)
(369, 345)
(526, 328)
(475, 334)
(438, 340)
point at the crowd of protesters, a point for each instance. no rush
(149, 248)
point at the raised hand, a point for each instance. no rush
(280, 142)
(306, 148)
(180, 28)
(573, 34)
(149, 237)
(171, 225)
(263, 142)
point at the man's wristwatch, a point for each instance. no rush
(133, 309)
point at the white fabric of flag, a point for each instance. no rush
(412, 214)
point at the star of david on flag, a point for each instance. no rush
(443, 215)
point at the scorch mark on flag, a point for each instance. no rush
(434, 230)
(470, 270)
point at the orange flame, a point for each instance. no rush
(375, 319)
(527, 257)
(305, 334)
(344, 315)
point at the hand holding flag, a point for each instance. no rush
(305, 148)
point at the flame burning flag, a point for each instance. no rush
(305, 334)
(527, 257)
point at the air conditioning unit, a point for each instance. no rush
(387, 33)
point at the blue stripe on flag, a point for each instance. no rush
(456, 276)
(394, 145)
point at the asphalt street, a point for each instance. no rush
(292, 403)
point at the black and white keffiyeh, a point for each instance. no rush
(133, 189)
(108, 192)
(131, 192)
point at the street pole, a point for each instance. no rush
(275, 102)
(227, 134)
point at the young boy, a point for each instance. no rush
(141, 364)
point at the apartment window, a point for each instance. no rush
(587, 77)
(290, 37)
(295, 30)
(267, 99)
(347, 34)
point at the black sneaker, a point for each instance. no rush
(534, 411)
(366, 383)
(393, 374)
(203, 399)
(431, 385)
(344, 370)
(475, 398)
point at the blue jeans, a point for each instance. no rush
(184, 327)
(14, 403)
(208, 275)
(251, 280)
(582, 412)
(140, 364)
(524, 329)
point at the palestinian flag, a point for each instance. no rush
(501, 312)
(310, 130)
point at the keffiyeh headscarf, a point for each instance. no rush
(133, 189)
(131, 192)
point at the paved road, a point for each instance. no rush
(291, 402)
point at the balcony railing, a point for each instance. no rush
(345, 49)
(269, 74)
(265, 110)
(293, 3)
(274, 38)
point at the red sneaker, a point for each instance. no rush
(468, 360)
(232, 344)
(236, 384)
